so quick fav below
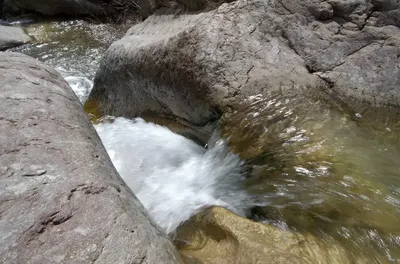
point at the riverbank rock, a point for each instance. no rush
(219, 236)
(12, 37)
(197, 66)
(61, 200)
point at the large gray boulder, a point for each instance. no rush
(61, 200)
(12, 37)
(196, 66)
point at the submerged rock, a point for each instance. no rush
(328, 172)
(197, 66)
(219, 236)
(12, 37)
(61, 200)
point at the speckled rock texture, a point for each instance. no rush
(61, 200)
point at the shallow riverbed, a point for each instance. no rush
(309, 167)
(324, 170)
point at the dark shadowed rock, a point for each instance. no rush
(196, 5)
(10, 9)
(196, 66)
(148, 7)
(1, 8)
(61, 200)
(66, 7)
(11, 37)
(115, 8)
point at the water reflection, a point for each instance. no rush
(334, 173)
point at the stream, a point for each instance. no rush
(309, 167)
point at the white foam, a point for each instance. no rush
(172, 176)
(81, 86)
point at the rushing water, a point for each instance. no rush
(314, 168)
(172, 176)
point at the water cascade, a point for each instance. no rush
(172, 176)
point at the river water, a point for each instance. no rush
(172, 176)
(303, 166)
(323, 170)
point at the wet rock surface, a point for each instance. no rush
(11, 37)
(61, 200)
